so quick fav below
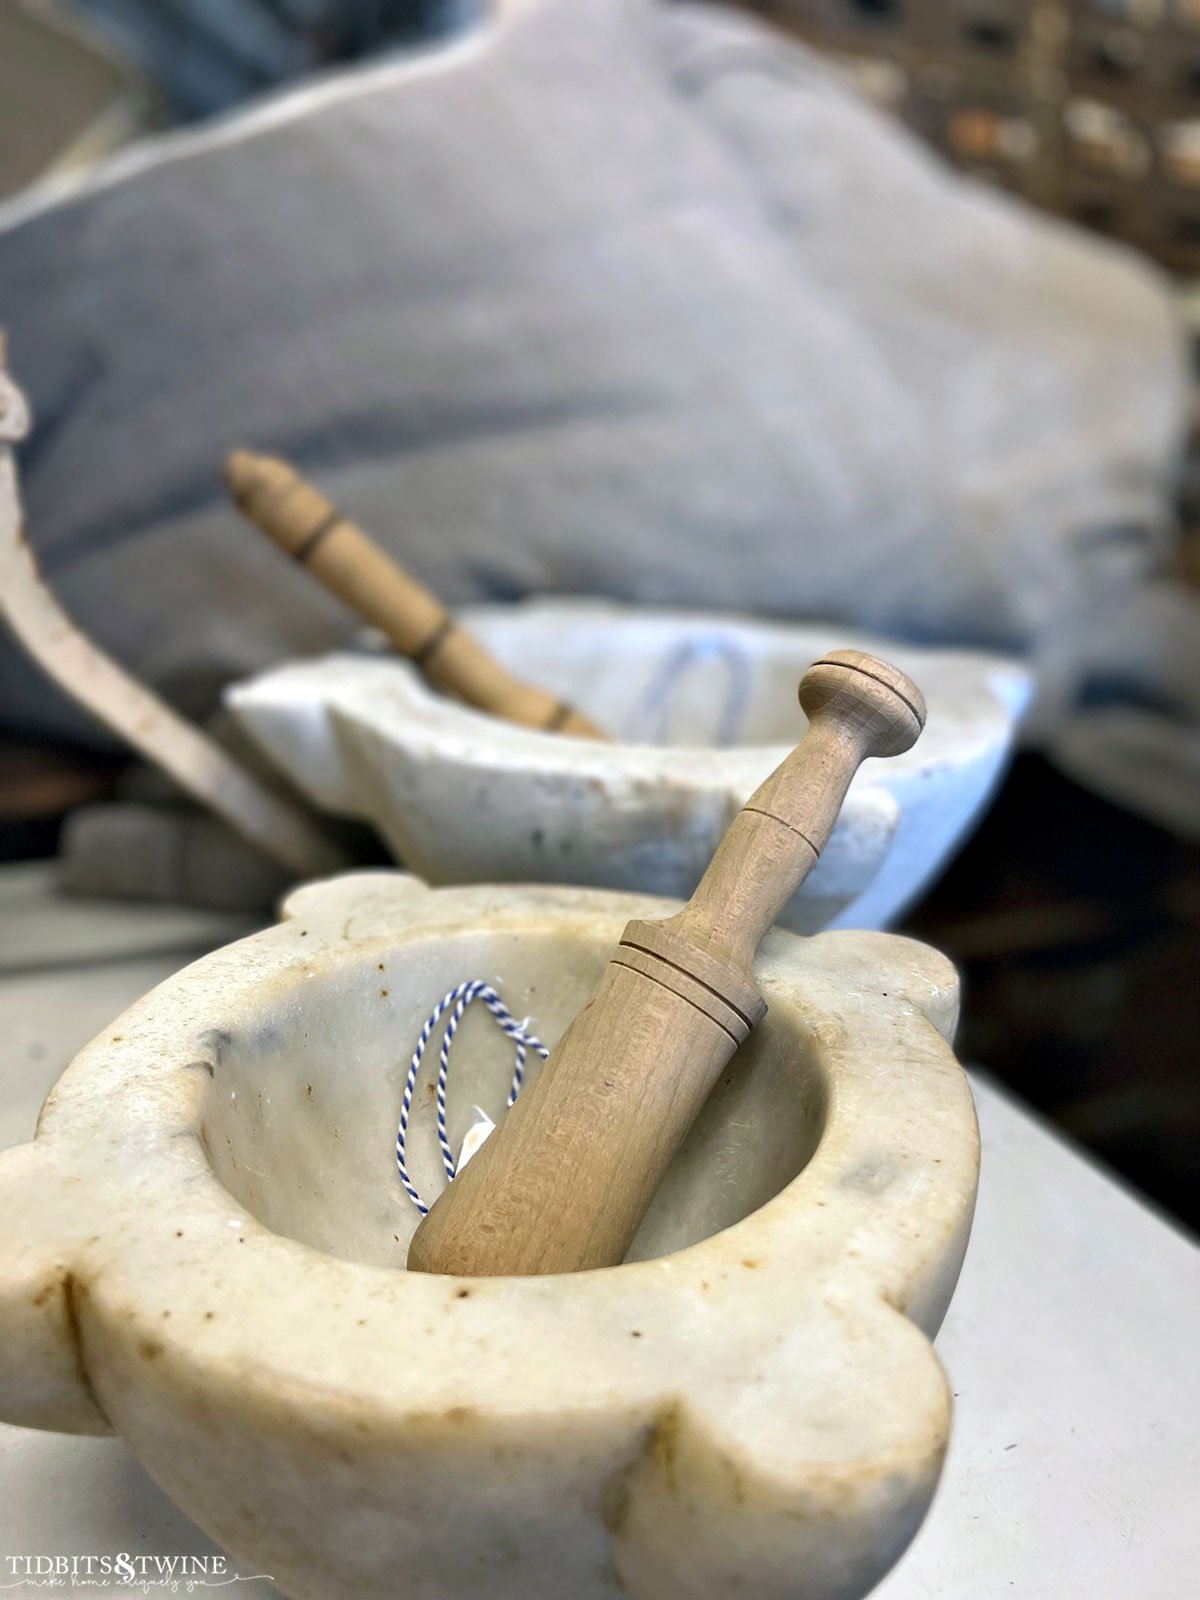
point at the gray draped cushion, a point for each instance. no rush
(613, 298)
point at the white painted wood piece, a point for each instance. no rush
(264, 816)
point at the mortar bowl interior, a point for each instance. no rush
(299, 1117)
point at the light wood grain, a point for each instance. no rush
(310, 529)
(564, 1182)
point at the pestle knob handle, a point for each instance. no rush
(310, 529)
(857, 706)
(564, 1182)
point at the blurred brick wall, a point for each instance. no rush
(1089, 107)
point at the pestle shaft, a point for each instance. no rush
(309, 528)
(565, 1181)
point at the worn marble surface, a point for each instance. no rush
(1073, 1456)
(460, 797)
(206, 1258)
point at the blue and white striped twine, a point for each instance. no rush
(459, 998)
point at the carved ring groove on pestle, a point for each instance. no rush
(423, 655)
(735, 990)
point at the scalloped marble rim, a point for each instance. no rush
(460, 797)
(760, 1413)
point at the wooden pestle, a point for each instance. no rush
(565, 1180)
(310, 529)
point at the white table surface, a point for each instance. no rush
(1072, 1344)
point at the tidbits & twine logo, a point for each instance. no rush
(123, 1573)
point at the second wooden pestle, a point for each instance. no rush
(564, 1182)
(310, 529)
